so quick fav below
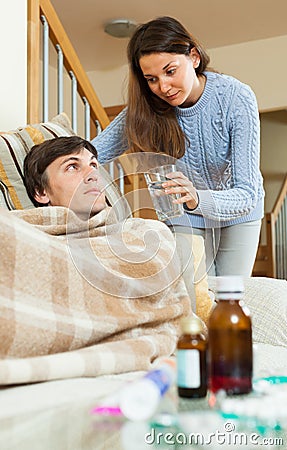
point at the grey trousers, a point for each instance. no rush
(228, 251)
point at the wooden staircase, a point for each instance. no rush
(271, 259)
(57, 35)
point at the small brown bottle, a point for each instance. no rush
(230, 340)
(191, 359)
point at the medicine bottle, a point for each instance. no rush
(230, 339)
(191, 359)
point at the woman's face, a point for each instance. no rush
(172, 77)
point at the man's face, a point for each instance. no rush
(74, 182)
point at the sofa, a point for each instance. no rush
(45, 403)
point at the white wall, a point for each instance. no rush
(261, 64)
(273, 153)
(13, 74)
(110, 86)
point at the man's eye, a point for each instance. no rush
(71, 167)
(95, 165)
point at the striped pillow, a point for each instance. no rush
(14, 145)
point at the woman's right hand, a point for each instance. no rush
(180, 184)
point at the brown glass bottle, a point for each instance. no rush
(191, 359)
(230, 358)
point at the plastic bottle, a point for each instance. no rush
(230, 339)
(191, 359)
(139, 400)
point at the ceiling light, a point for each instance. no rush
(120, 28)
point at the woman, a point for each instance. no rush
(210, 122)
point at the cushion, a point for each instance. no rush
(191, 251)
(269, 360)
(14, 145)
(5, 199)
(266, 298)
(204, 299)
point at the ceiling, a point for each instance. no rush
(215, 23)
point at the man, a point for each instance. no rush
(64, 172)
(73, 276)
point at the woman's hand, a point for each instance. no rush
(180, 184)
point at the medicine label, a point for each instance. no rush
(188, 368)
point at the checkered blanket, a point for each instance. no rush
(85, 298)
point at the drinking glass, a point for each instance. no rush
(162, 202)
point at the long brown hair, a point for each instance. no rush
(151, 123)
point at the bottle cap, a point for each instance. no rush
(230, 284)
(191, 325)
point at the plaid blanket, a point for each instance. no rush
(85, 298)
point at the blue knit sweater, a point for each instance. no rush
(222, 153)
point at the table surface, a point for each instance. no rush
(57, 415)
(71, 426)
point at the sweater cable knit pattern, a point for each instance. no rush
(222, 153)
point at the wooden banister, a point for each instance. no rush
(33, 59)
(57, 34)
(266, 259)
(280, 199)
(270, 237)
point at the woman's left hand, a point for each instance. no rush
(180, 184)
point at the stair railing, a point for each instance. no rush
(276, 227)
(42, 12)
(271, 259)
(44, 26)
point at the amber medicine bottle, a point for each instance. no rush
(230, 358)
(191, 359)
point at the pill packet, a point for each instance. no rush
(263, 410)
